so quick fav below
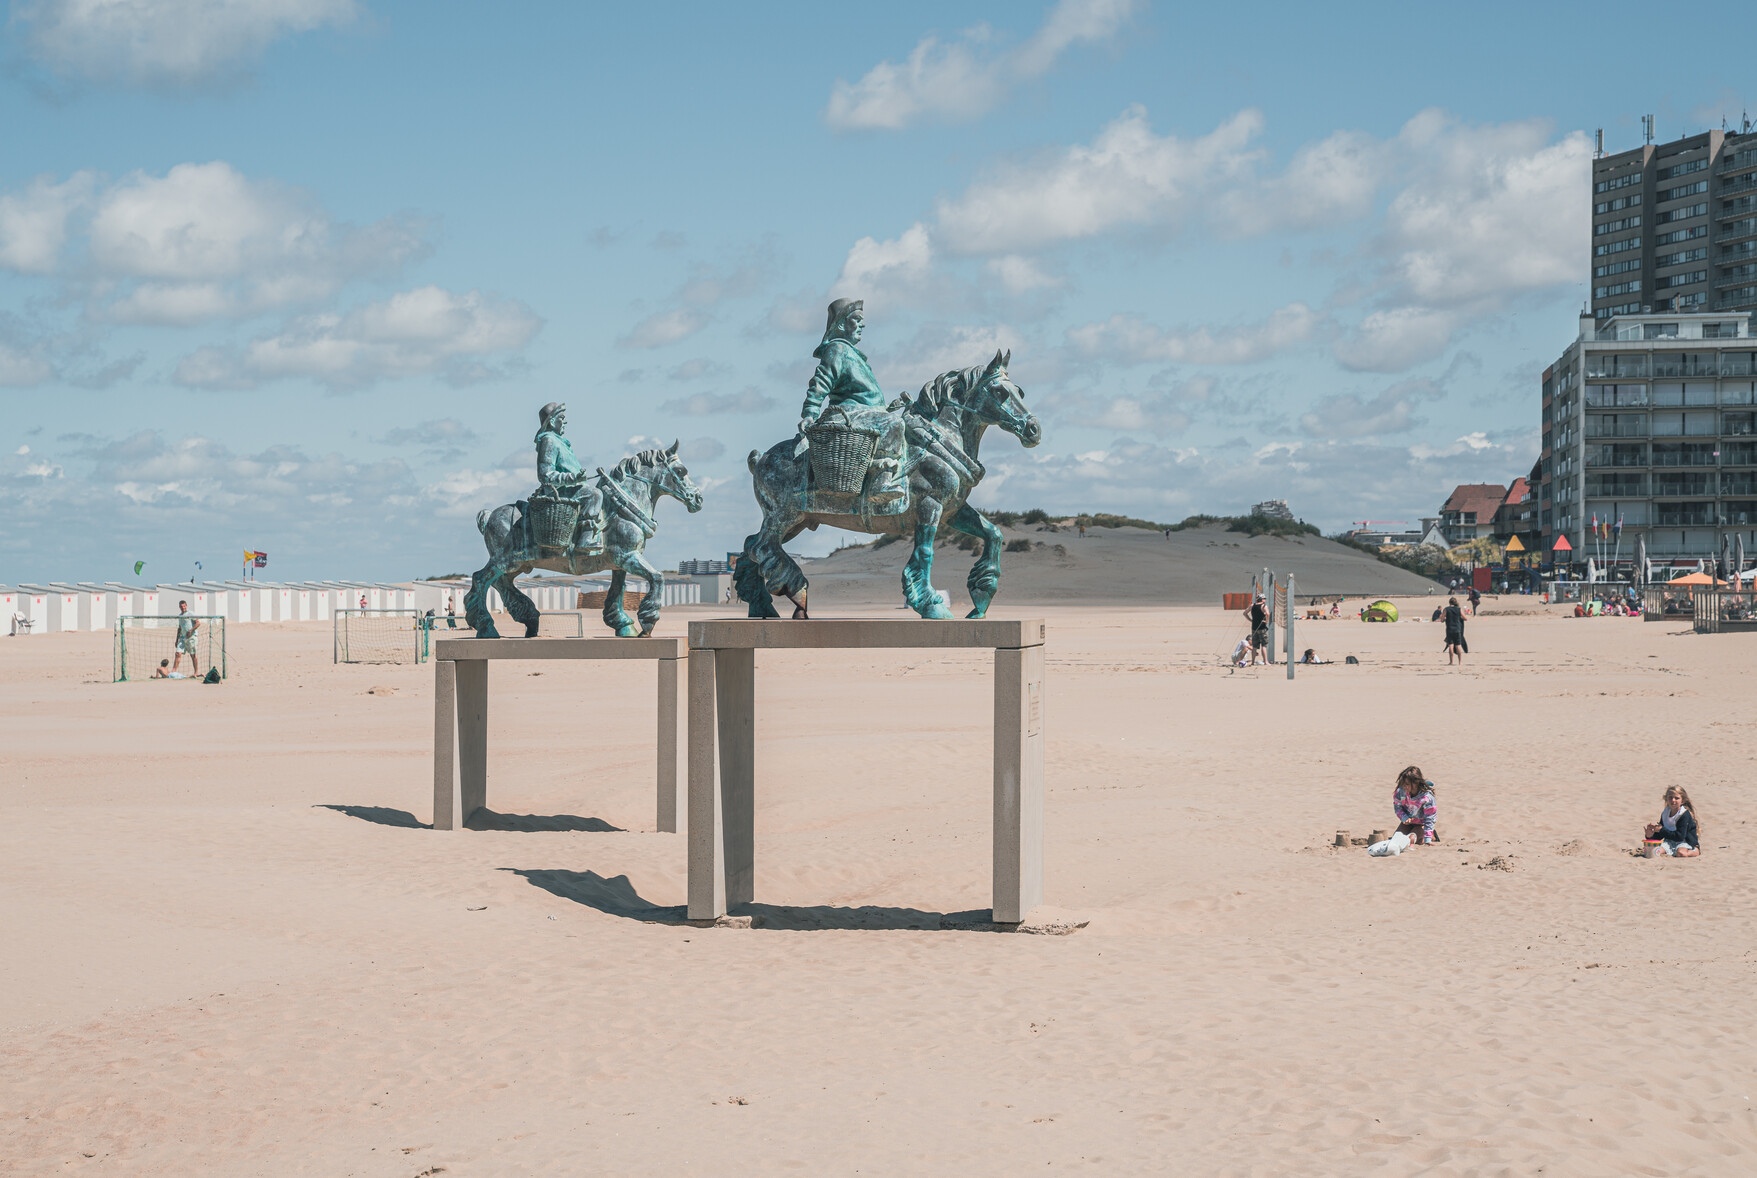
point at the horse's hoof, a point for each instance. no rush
(799, 614)
(936, 613)
(647, 633)
(530, 631)
(980, 611)
(627, 631)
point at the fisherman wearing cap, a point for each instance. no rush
(845, 380)
(560, 473)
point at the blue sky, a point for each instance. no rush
(296, 274)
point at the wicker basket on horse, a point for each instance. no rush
(840, 455)
(553, 519)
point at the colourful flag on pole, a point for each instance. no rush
(1618, 530)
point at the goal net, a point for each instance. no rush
(380, 636)
(176, 646)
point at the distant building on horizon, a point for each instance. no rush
(1674, 226)
(1274, 509)
(1469, 512)
(1650, 428)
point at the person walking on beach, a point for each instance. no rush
(185, 640)
(1259, 631)
(1475, 600)
(451, 613)
(1455, 647)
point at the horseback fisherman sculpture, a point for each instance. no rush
(905, 469)
(562, 491)
(577, 527)
(844, 407)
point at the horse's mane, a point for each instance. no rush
(947, 386)
(645, 460)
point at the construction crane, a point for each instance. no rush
(1365, 523)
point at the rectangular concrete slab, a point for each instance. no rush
(462, 649)
(869, 633)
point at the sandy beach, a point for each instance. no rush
(232, 947)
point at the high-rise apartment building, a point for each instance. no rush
(1650, 422)
(1674, 226)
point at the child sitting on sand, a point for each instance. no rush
(1413, 803)
(1676, 828)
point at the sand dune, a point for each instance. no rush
(232, 946)
(1118, 566)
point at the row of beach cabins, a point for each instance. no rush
(57, 607)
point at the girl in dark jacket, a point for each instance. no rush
(1677, 824)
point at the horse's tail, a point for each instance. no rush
(482, 520)
(756, 456)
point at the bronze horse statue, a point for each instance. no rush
(943, 426)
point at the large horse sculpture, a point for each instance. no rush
(944, 427)
(631, 490)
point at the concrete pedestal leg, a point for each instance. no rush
(735, 698)
(673, 711)
(1018, 783)
(445, 695)
(707, 884)
(472, 689)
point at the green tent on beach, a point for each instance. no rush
(1380, 611)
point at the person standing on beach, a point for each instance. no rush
(1259, 632)
(185, 641)
(1455, 647)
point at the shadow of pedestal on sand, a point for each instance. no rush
(616, 897)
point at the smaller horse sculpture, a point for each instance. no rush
(944, 426)
(631, 490)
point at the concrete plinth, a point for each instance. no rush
(460, 714)
(722, 745)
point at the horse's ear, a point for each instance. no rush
(997, 363)
(672, 453)
(1007, 358)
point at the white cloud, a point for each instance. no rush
(1393, 340)
(881, 271)
(964, 79)
(1127, 339)
(33, 222)
(937, 348)
(203, 241)
(1325, 482)
(417, 332)
(664, 327)
(1491, 213)
(750, 400)
(164, 42)
(1126, 177)
(700, 368)
(23, 368)
(1333, 180)
(1020, 275)
(1348, 415)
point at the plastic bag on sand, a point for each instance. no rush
(1395, 845)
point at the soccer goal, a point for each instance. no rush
(380, 636)
(175, 646)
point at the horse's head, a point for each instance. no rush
(671, 477)
(998, 401)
